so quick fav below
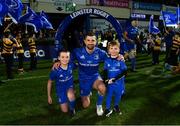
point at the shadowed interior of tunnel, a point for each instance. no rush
(71, 36)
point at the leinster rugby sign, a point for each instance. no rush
(93, 11)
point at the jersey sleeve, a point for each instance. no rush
(123, 66)
(53, 75)
(73, 64)
(103, 55)
(105, 65)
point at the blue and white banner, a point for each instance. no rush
(45, 22)
(32, 19)
(169, 18)
(3, 10)
(152, 28)
(15, 8)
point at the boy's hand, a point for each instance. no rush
(120, 57)
(56, 65)
(111, 81)
(49, 100)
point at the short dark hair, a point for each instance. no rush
(63, 50)
(113, 43)
(90, 34)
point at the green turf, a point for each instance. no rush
(151, 98)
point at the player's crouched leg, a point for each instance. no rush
(64, 107)
(85, 101)
(71, 98)
(100, 87)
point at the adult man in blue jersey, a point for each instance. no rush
(131, 36)
(88, 58)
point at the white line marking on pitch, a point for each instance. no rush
(25, 78)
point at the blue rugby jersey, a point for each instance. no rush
(63, 78)
(132, 33)
(114, 67)
(88, 64)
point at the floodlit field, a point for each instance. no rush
(152, 97)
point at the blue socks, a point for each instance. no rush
(72, 105)
(117, 100)
(100, 99)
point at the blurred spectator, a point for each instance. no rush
(175, 50)
(32, 50)
(20, 52)
(156, 50)
(150, 43)
(7, 52)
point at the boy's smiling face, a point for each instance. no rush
(64, 58)
(113, 51)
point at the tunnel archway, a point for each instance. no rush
(85, 11)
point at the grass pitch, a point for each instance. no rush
(152, 97)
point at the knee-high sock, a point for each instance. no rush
(108, 101)
(109, 97)
(99, 99)
(72, 104)
(133, 63)
(117, 99)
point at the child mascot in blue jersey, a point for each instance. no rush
(114, 73)
(63, 78)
